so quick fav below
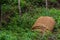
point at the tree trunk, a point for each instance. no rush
(0, 15)
(19, 7)
(46, 4)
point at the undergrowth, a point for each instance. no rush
(19, 28)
